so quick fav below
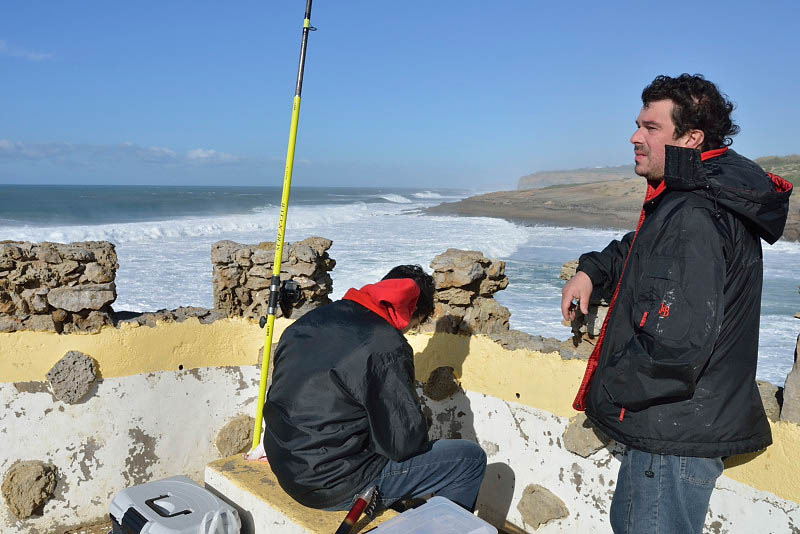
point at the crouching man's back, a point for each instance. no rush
(343, 414)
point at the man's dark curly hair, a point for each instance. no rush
(698, 105)
(425, 283)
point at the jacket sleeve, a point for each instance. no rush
(396, 424)
(677, 313)
(604, 268)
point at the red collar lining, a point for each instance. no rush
(708, 154)
(395, 299)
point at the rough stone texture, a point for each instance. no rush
(441, 384)
(56, 287)
(516, 339)
(242, 276)
(576, 348)
(27, 486)
(203, 315)
(88, 297)
(790, 411)
(72, 376)
(236, 436)
(539, 505)
(585, 328)
(582, 438)
(569, 269)
(770, 394)
(463, 303)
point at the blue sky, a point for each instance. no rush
(464, 94)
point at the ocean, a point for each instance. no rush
(163, 237)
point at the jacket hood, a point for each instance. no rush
(734, 182)
(395, 299)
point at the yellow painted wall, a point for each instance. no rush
(133, 349)
(543, 381)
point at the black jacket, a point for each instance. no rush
(342, 403)
(676, 366)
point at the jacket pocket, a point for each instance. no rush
(660, 308)
(701, 471)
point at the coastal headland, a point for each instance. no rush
(610, 204)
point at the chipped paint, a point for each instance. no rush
(140, 459)
(133, 429)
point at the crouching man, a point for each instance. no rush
(343, 414)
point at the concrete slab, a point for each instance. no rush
(263, 505)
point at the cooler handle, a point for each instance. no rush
(160, 511)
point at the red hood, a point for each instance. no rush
(395, 299)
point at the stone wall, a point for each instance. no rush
(466, 282)
(242, 275)
(56, 287)
(463, 302)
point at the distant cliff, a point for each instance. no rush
(788, 167)
(542, 179)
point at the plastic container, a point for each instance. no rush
(175, 505)
(437, 516)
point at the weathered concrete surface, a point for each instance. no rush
(72, 376)
(236, 436)
(527, 443)
(131, 430)
(27, 486)
(524, 449)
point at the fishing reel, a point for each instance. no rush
(288, 295)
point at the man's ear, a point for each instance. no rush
(694, 139)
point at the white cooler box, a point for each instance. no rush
(437, 516)
(174, 505)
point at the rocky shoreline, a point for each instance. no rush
(614, 204)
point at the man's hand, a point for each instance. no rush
(578, 288)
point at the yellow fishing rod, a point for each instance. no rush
(275, 283)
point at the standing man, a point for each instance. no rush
(343, 414)
(673, 373)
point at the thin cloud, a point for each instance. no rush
(13, 51)
(127, 151)
(210, 155)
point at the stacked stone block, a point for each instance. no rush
(242, 275)
(57, 287)
(465, 282)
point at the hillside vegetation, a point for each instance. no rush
(787, 167)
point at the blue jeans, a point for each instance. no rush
(662, 494)
(451, 468)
